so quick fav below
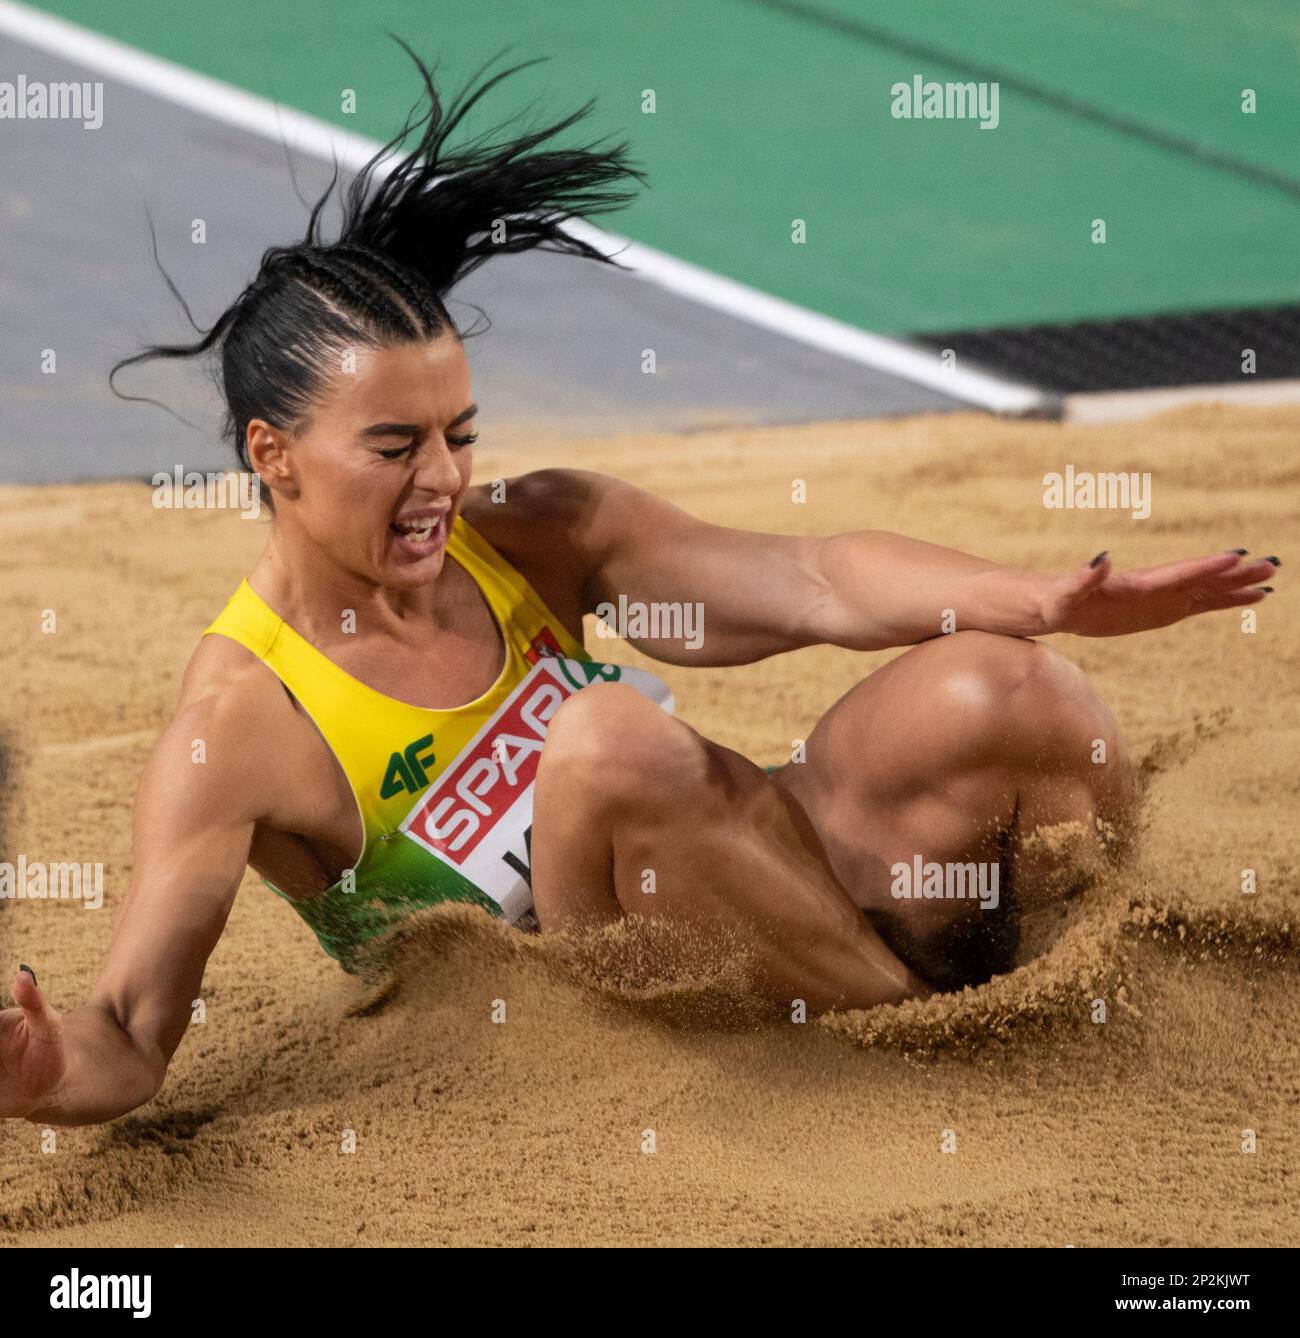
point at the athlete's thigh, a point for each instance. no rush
(627, 789)
(720, 828)
(642, 816)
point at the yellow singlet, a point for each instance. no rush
(445, 797)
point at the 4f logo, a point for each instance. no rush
(407, 771)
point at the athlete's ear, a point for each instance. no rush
(267, 450)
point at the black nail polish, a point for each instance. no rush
(1267, 589)
(1099, 557)
(1276, 561)
(22, 966)
(1240, 552)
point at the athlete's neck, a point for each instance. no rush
(313, 592)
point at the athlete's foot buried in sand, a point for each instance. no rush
(398, 698)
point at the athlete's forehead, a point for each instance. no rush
(415, 384)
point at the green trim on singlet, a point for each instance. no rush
(344, 922)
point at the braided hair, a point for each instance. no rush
(408, 235)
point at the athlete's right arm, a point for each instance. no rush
(195, 809)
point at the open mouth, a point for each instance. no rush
(420, 534)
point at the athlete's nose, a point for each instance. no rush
(436, 470)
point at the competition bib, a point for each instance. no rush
(477, 816)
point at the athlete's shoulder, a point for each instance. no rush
(221, 669)
(215, 761)
(230, 694)
(565, 529)
(550, 498)
(558, 511)
(536, 521)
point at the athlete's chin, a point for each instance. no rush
(407, 570)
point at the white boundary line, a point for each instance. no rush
(271, 120)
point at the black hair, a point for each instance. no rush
(408, 235)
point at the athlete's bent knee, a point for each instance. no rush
(614, 741)
(1014, 693)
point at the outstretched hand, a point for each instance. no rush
(32, 1054)
(1097, 600)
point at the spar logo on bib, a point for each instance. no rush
(477, 816)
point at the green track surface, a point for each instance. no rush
(771, 111)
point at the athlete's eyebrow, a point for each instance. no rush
(413, 429)
(391, 430)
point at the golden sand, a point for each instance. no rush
(1066, 1130)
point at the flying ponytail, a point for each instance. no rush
(410, 232)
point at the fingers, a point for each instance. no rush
(1218, 571)
(1083, 580)
(1246, 573)
(42, 1021)
(26, 992)
(1231, 599)
(1187, 571)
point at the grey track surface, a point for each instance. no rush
(563, 354)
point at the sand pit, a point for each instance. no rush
(830, 1133)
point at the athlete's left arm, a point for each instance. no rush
(883, 590)
(755, 595)
(707, 595)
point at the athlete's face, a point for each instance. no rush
(376, 476)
